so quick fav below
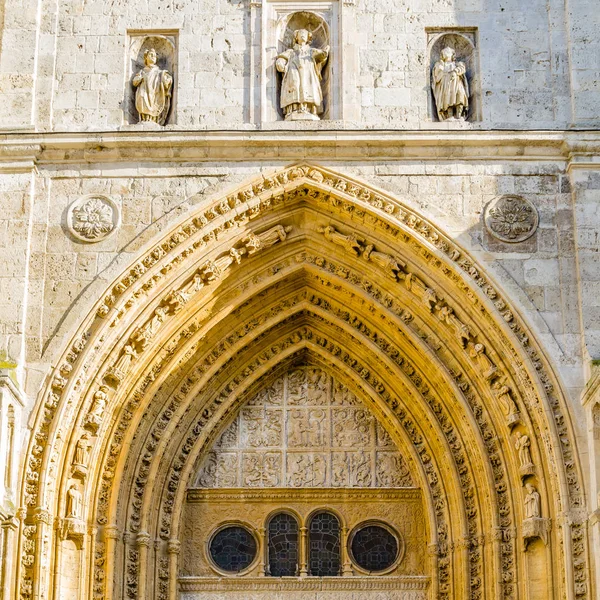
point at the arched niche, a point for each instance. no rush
(166, 51)
(317, 25)
(464, 43)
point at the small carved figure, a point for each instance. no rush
(532, 502)
(523, 445)
(144, 334)
(153, 94)
(360, 469)
(316, 423)
(486, 366)
(301, 65)
(460, 329)
(349, 242)
(426, 294)
(120, 369)
(82, 452)
(391, 266)
(266, 239)
(74, 499)
(94, 417)
(214, 269)
(450, 87)
(178, 298)
(508, 405)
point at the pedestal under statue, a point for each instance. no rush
(301, 65)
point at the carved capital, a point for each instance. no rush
(143, 539)
(173, 546)
(111, 532)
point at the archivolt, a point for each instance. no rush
(357, 284)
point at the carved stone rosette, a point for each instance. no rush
(511, 219)
(93, 218)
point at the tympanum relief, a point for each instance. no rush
(306, 430)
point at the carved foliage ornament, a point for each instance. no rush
(511, 218)
(93, 218)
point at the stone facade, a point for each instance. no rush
(161, 282)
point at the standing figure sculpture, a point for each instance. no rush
(450, 87)
(301, 65)
(153, 94)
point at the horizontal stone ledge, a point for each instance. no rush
(292, 584)
(183, 147)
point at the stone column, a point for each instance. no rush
(143, 543)
(433, 551)
(346, 565)
(173, 549)
(262, 550)
(111, 535)
(303, 551)
(9, 532)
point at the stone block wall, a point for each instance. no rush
(538, 67)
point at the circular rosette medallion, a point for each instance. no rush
(511, 218)
(93, 218)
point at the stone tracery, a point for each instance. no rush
(426, 298)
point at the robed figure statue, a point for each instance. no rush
(301, 65)
(450, 87)
(153, 94)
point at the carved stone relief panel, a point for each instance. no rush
(306, 430)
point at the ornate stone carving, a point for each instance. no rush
(119, 370)
(511, 219)
(144, 335)
(461, 331)
(74, 503)
(486, 367)
(349, 242)
(330, 440)
(93, 218)
(523, 447)
(534, 526)
(153, 93)
(508, 405)
(450, 87)
(256, 242)
(426, 294)
(391, 266)
(81, 459)
(301, 94)
(94, 418)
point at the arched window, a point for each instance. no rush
(283, 546)
(324, 545)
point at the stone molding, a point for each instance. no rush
(24, 152)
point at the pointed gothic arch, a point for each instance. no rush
(301, 265)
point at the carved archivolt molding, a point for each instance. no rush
(446, 317)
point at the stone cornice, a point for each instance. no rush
(23, 151)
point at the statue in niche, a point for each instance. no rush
(532, 502)
(74, 499)
(301, 65)
(523, 445)
(450, 87)
(82, 452)
(94, 417)
(153, 94)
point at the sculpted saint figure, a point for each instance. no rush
(532, 502)
(254, 242)
(522, 445)
(82, 451)
(73, 503)
(153, 94)
(301, 65)
(94, 417)
(450, 87)
(349, 242)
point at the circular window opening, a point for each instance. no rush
(374, 548)
(233, 548)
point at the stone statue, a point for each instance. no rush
(120, 369)
(532, 503)
(153, 94)
(522, 445)
(254, 243)
(450, 87)
(391, 265)
(94, 417)
(509, 408)
(349, 242)
(301, 65)
(82, 452)
(73, 503)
